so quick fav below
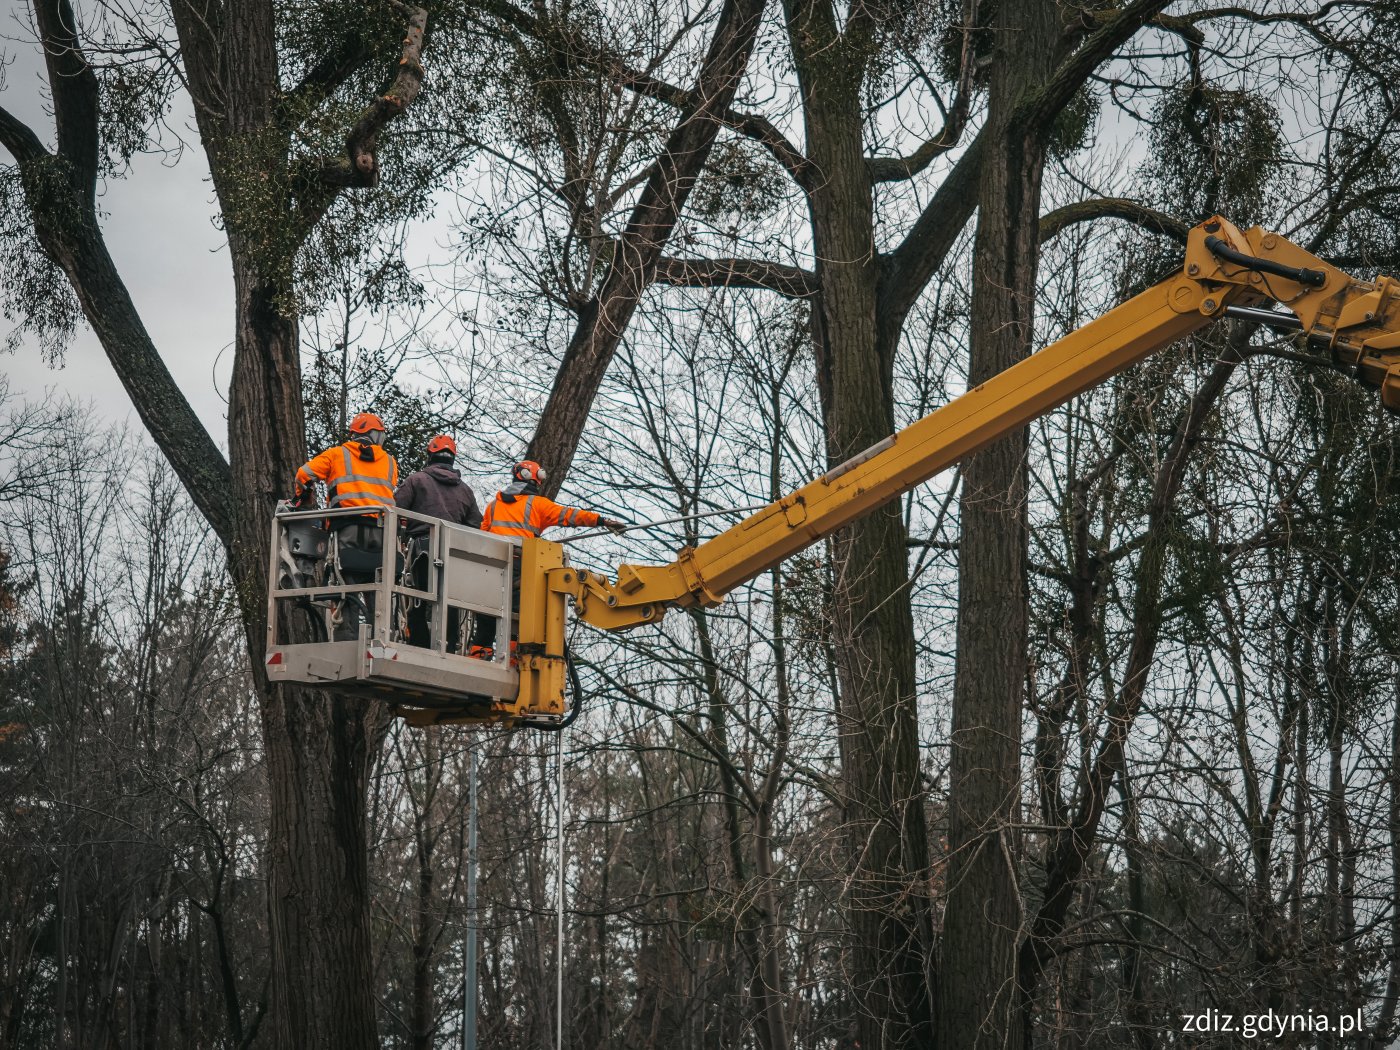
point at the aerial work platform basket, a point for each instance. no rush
(341, 592)
(383, 605)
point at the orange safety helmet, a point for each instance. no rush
(365, 422)
(441, 443)
(528, 470)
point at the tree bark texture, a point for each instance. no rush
(889, 905)
(317, 747)
(983, 921)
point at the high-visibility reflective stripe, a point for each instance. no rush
(377, 492)
(382, 494)
(358, 482)
(529, 520)
(346, 488)
(342, 497)
(368, 478)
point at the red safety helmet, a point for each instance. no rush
(365, 422)
(528, 470)
(441, 443)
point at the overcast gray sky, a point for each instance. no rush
(159, 228)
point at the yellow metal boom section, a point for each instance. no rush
(1359, 320)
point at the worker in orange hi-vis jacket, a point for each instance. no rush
(520, 510)
(358, 473)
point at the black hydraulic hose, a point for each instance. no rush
(1311, 278)
(1275, 320)
(576, 684)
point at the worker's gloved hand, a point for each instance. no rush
(615, 525)
(305, 498)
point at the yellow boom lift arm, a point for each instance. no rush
(1226, 271)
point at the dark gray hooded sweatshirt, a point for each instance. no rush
(438, 491)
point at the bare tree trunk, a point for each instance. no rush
(317, 747)
(425, 925)
(1035, 71)
(983, 918)
(889, 905)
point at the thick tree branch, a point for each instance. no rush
(1054, 223)
(752, 125)
(76, 245)
(909, 267)
(634, 264)
(360, 166)
(16, 136)
(863, 20)
(73, 85)
(59, 192)
(1045, 104)
(791, 281)
(894, 169)
(1188, 25)
(322, 80)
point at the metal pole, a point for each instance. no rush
(469, 948)
(559, 896)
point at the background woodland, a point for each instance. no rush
(1097, 731)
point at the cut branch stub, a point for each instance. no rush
(360, 165)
